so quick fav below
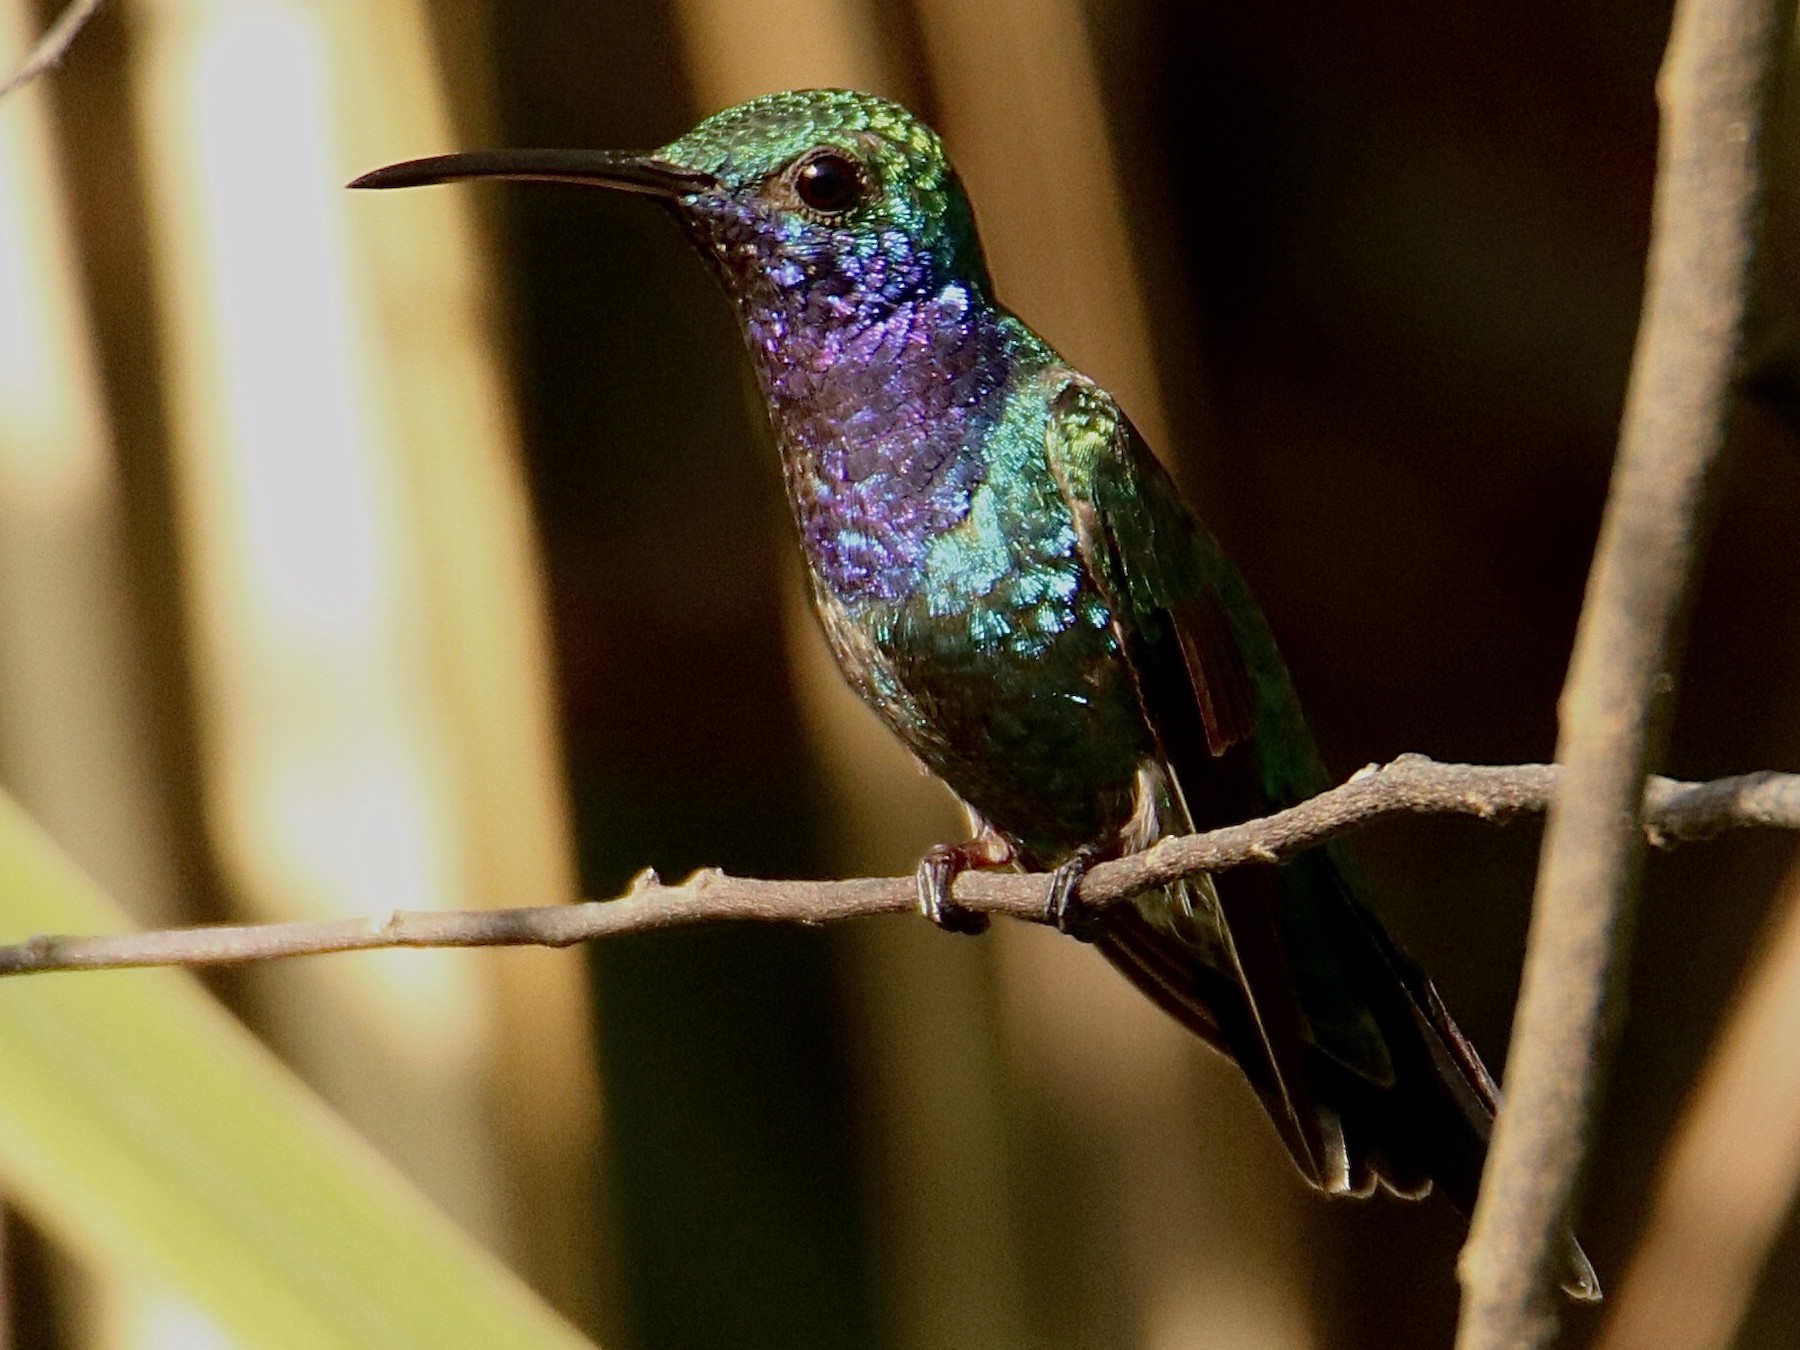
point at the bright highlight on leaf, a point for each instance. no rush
(146, 1129)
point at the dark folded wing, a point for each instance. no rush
(1199, 702)
(1354, 1056)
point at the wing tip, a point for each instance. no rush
(1580, 1282)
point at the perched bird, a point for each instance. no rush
(1011, 580)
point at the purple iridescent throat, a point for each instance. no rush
(883, 377)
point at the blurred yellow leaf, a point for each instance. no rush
(144, 1127)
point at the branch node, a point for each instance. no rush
(699, 881)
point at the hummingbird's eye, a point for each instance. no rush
(829, 181)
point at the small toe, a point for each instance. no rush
(1063, 908)
(937, 873)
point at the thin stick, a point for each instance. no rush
(53, 45)
(1410, 785)
(1714, 90)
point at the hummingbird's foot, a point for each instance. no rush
(1065, 909)
(939, 869)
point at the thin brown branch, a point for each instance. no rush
(53, 45)
(1410, 785)
(1715, 88)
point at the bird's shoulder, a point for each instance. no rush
(1169, 588)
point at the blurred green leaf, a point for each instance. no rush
(145, 1128)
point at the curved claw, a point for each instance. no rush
(1063, 907)
(937, 870)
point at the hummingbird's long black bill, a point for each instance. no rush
(592, 168)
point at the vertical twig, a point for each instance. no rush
(1714, 91)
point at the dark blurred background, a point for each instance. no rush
(1369, 277)
(1392, 256)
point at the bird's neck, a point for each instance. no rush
(881, 399)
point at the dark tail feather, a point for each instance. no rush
(1430, 1125)
(1212, 1005)
(1453, 1077)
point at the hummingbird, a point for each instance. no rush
(1009, 577)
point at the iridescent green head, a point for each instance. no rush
(829, 183)
(818, 184)
(818, 165)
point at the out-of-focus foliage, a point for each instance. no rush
(143, 1127)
